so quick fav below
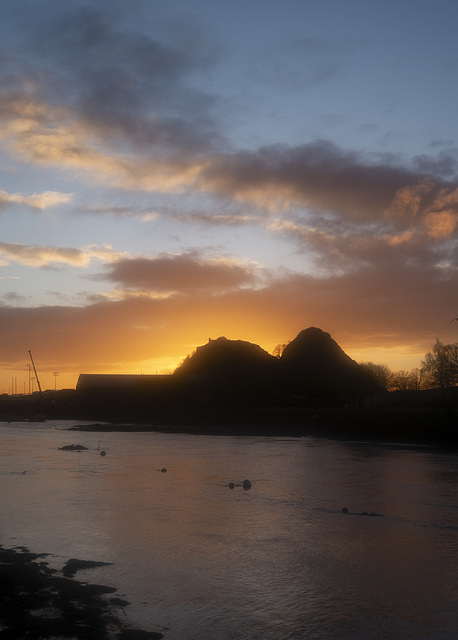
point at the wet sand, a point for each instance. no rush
(39, 603)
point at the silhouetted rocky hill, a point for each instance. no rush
(220, 377)
(229, 358)
(313, 364)
(235, 387)
(229, 372)
(313, 368)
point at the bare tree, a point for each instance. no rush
(416, 379)
(399, 381)
(381, 372)
(441, 366)
(412, 380)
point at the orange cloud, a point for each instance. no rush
(363, 310)
(408, 201)
(61, 138)
(317, 178)
(400, 238)
(441, 224)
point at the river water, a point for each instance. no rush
(200, 561)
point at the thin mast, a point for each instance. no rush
(36, 374)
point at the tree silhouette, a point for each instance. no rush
(381, 372)
(441, 366)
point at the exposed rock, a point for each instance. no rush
(139, 634)
(73, 447)
(36, 603)
(73, 565)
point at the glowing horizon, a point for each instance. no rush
(18, 377)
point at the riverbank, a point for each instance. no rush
(40, 603)
(423, 426)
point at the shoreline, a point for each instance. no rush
(37, 602)
(434, 428)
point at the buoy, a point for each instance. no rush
(246, 484)
(231, 485)
(164, 470)
(103, 453)
(345, 510)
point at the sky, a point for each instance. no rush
(177, 171)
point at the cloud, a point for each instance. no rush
(441, 224)
(99, 98)
(321, 177)
(446, 164)
(348, 210)
(84, 92)
(361, 310)
(317, 177)
(40, 201)
(35, 256)
(128, 85)
(185, 273)
(14, 298)
(219, 219)
(149, 217)
(126, 108)
(70, 144)
(141, 212)
(42, 256)
(105, 253)
(343, 209)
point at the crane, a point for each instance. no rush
(35, 371)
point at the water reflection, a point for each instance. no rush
(278, 561)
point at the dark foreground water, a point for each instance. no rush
(199, 561)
